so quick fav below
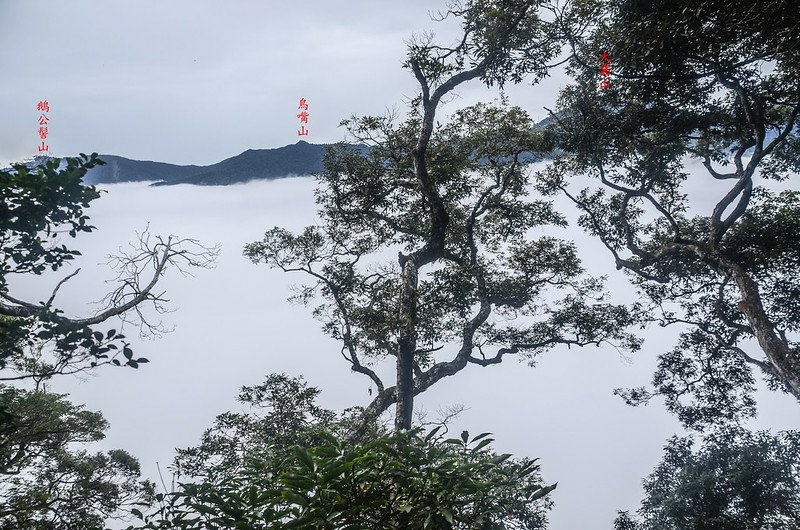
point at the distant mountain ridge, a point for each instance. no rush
(301, 158)
(297, 159)
(121, 169)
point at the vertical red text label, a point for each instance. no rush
(303, 116)
(43, 107)
(605, 70)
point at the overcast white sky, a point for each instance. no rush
(194, 82)
(197, 81)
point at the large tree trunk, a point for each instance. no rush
(785, 361)
(407, 344)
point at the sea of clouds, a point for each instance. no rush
(233, 326)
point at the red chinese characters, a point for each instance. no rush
(303, 116)
(43, 107)
(605, 70)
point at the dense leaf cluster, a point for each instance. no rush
(284, 463)
(404, 480)
(48, 483)
(39, 205)
(710, 85)
(735, 480)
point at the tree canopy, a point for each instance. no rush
(708, 87)
(39, 206)
(735, 480)
(437, 249)
(48, 484)
(286, 463)
(471, 283)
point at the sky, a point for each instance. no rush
(194, 82)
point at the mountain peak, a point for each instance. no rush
(300, 158)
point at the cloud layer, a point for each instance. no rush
(233, 326)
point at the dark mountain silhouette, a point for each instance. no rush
(301, 158)
(121, 169)
(297, 159)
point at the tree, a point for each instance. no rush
(717, 83)
(284, 463)
(39, 205)
(736, 480)
(281, 412)
(46, 483)
(451, 200)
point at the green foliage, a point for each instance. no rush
(474, 272)
(39, 422)
(508, 41)
(703, 378)
(711, 83)
(47, 484)
(533, 286)
(287, 463)
(38, 207)
(280, 412)
(404, 480)
(38, 341)
(765, 242)
(735, 480)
